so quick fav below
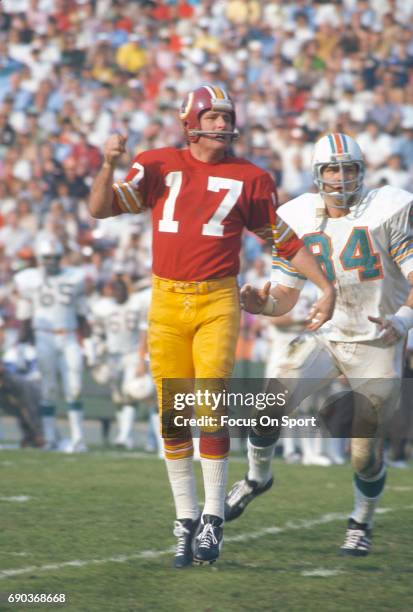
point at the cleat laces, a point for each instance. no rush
(180, 532)
(207, 537)
(238, 491)
(356, 538)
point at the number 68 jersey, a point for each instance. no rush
(53, 302)
(367, 254)
(121, 324)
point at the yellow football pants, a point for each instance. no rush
(193, 330)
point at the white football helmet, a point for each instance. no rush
(49, 253)
(139, 388)
(338, 149)
(101, 373)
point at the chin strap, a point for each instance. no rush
(233, 133)
(348, 202)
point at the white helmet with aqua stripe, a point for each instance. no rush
(340, 151)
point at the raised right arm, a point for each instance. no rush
(101, 193)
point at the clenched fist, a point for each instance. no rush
(114, 148)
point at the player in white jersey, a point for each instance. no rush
(52, 305)
(280, 332)
(364, 241)
(121, 322)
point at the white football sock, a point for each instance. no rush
(49, 429)
(214, 472)
(336, 450)
(155, 425)
(259, 462)
(128, 420)
(76, 425)
(306, 447)
(318, 445)
(118, 424)
(288, 446)
(197, 454)
(183, 484)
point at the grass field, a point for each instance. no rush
(97, 528)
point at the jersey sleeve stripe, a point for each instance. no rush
(405, 256)
(280, 223)
(284, 266)
(127, 198)
(400, 247)
(393, 245)
(284, 271)
(278, 236)
(287, 233)
(120, 199)
(135, 195)
(282, 232)
(123, 199)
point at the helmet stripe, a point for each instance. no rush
(219, 93)
(338, 143)
(331, 141)
(344, 141)
(210, 90)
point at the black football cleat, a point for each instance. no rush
(241, 494)
(358, 540)
(184, 530)
(209, 539)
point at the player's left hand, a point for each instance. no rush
(388, 333)
(322, 310)
(252, 299)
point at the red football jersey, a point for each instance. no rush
(199, 211)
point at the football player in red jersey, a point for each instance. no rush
(201, 198)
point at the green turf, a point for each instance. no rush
(107, 505)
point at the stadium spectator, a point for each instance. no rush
(13, 236)
(392, 173)
(376, 144)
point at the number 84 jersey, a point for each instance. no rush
(367, 254)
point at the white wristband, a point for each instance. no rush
(270, 307)
(402, 320)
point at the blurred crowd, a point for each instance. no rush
(74, 71)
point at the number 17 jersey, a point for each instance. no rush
(367, 254)
(199, 211)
